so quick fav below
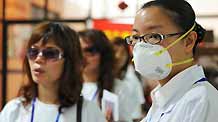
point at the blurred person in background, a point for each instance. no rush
(125, 72)
(53, 67)
(99, 72)
(165, 35)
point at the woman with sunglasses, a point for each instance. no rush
(165, 36)
(99, 71)
(53, 65)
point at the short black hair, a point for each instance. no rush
(182, 13)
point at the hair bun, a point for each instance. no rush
(200, 31)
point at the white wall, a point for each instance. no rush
(109, 9)
(210, 24)
(75, 9)
(204, 8)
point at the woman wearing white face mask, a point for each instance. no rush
(165, 36)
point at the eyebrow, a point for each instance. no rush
(135, 30)
(49, 46)
(152, 27)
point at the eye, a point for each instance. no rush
(51, 53)
(135, 37)
(132, 39)
(153, 38)
(32, 52)
(91, 49)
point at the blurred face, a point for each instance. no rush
(121, 56)
(91, 57)
(154, 20)
(46, 62)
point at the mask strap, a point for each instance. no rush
(179, 63)
(177, 40)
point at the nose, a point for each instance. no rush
(85, 57)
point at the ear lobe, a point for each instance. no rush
(190, 41)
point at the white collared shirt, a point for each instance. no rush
(183, 99)
(90, 91)
(14, 111)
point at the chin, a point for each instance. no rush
(89, 69)
(38, 80)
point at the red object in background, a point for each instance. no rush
(122, 5)
(112, 28)
(104, 24)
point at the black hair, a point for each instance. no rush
(182, 13)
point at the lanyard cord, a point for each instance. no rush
(201, 80)
(95, 94)
(33, 110)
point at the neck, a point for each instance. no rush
(118, 73)
(90, 77)
(48, 94)
(175, 71)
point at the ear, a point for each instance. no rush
(189, 42)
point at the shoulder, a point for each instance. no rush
(198, 93)
(202, 90)
(13, 104)
(198, 97)
(205, 94)
(11, 108)
(199, 102)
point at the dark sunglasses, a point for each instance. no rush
(91, 49)
(48, 53)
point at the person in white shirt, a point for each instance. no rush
(53, 65)
(165, 35)
(136, 85)
(126, 74)
(99, 70)
(98, 67)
